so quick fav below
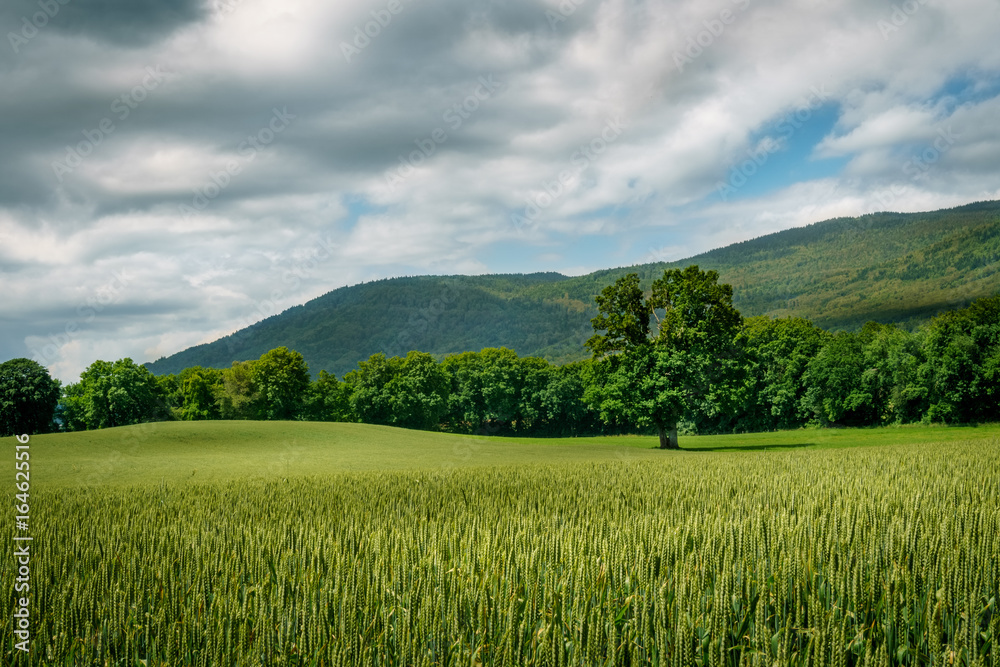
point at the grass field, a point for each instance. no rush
(228, 450)
(243, 543)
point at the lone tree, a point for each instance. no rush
(654, 376)
(28, 397)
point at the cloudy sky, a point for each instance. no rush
(176, 169)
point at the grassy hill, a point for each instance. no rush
(227, 451)
(887, 267)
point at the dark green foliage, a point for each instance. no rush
(962, 372)
(892, 362)
(281, 377)
(494, 392)
(839, 274)
(70, 409)
(328, 400)
(239, 398)
(867, 378)
(194, 393)
(698, 314)
(486, 390)
(28, 398)
(702, 368)
(623, 314)
(687, 366)
(554, 400)
(839, 387)
(420, 392)
(644, 387)
(114, 394)
(776, 353)
(411, 392)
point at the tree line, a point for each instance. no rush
(676, 358)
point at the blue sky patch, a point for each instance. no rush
(967, 88)
(781, 154)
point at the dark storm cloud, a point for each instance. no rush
(122, 23)
(365, 96)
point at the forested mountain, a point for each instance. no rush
(886, 267)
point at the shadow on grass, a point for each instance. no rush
(748, 448)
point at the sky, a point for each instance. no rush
(173, 171)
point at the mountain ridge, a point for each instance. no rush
(888, 267)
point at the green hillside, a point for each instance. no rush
(887, 267)
(237, 451)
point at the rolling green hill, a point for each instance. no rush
(887, 267)
(204, 452)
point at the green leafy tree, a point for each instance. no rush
(28, 397)
(776, 354)
(839, 384)
(624, 316)
(962, 367)
(70, 410)
(281, 376)
(410, 392)
(169, 388)
(370, 399)
(892, 361)
(196, 394)
(533, 412)
(486, 388)
(420, 392)
(238, 397)
(684, 365)
(117, 394)
(328, 400)
(562, 402)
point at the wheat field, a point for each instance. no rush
(866, 556)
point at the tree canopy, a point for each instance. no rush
(28, 397)
(678, 358)
(281, 377)
(115, 393)
(686, 362)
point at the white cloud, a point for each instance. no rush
(324, 177)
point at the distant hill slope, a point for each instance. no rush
(888, 267)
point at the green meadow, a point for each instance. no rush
(238, 450)
(325, 544)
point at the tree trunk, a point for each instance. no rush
(668, 437)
